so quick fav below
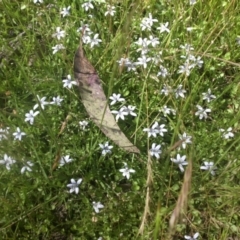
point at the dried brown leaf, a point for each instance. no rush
(95, 101)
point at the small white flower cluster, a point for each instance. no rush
(65, 11)
(147, 22)
(156, 129)
(126, 62)
(86, 32)
(156, 151)
(190, 60)
(227, 133)
(58, 34)
(201, 112)
(74, 184)
(143, 46)
(178, 92)
(106, 149)
(86, 36)
(74, 187)
(31, 115)
(8, 162)
(124, 110)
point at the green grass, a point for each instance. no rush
(37, 204)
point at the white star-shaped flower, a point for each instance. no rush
(160, 128)
(180, 161)
(202, 113)
(185, 139)
(143, 44)
(129, 110)
(227, 133)
(116, 98)
(126, 171)
(119, 114)
(154, 41)
(179, 92)
(42, 103)
(56, 101)
(83, 124)
(185, 68)
(208, 96)
(64, 160)
(7, 161)
(65, 11)
(209, 166)
(143, 60)
(106, 148)
(155, 150)
(94, 41)
(163, 72)
(147, 22)
(68, 82)
(151, 132)
(57, 47)
(74, 185)
(166, 90)
(110, 10)
(164, 27)
(18, 134)
(30, 116)
(87, 5)
(59, 33)
(97, 206)
(27, 167)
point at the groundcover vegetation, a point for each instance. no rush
(170, 70)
